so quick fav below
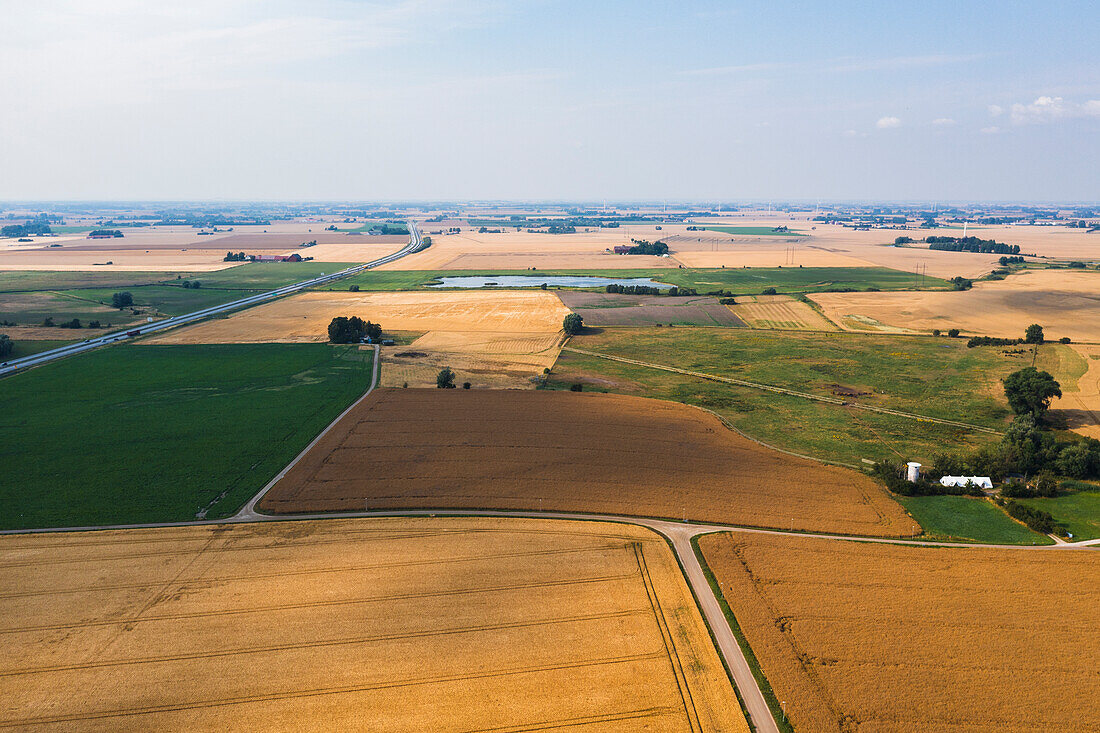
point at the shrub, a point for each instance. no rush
(768, 291)
(953, 333)
(1064, 340)
(465, 385)
(122, 300)
(576, 387)
(353, 289)
(445, 379)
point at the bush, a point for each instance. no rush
(6, 345)
(935, 332)
(353, 289)
(465, 385)
(953, 333)
(1064, 340)
(769, 291)
(576, 387)
(445, 379)
(122, 300)
(1036, 519)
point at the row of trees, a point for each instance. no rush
(235, 257)
(647, 290)
(971, 244)
(1033, 334)
(6, 345)
(344, 330)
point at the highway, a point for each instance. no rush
(416, 243)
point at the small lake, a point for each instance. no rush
(534, 281)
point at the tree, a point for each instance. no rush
(1033, 334)
(1026, 447)
(1029, 391)
(1080, 460)
(572, 324)
(445, 379)
(6, 345)
(769, 291)
(339, 330)
(466, 385)
(953, 333)
(122, 300)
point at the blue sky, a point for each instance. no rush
(430, 99)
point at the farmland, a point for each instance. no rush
(1077, 509)
(571, 452)
(740, 281)
(412, 624)
(146, 434)
(490, 338)
(1065, 303)
(854, 636)
(934, 377)
(755, 231)
(968, 519)
(780, 312)
(610, 309)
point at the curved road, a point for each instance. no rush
(416, 243)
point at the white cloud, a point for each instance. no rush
(991, 130)
(996, 110)
(943, 122)
(885, 123)
(1051, 109)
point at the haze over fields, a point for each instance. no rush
(232, 99)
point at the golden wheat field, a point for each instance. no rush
(780, 312)
(386, 625)
(1064, 302)
(490, 338)
(859, 637)
(1080, 407)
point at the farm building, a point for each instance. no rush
(622, 249)
(982, 482)
(295, 257)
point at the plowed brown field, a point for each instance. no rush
(573, 452)
(862, 637)
(384, 625)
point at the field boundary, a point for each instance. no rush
(785, 391)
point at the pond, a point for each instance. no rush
(534, 281)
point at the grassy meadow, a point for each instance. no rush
(969, 519)
(159, 433)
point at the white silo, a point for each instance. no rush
(912, 472)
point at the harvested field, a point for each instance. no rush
(572, 452)
(512, 250)
(1065, 303)
(861, 637)
(390, 625)
(612, 309)
(499, 338)
(781, 312)
(1080, 408)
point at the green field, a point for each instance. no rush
(933, 377)
(969, 519)
(171, 300)
(24, 280)
(158, 433)
(267, 275)
(1077, 511)
(755, 231)
(740, 281)
(27, 348)
(31, 309)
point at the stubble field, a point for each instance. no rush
(387, 625)
(780, 312)
(572, 452)
(499, 338)
(1064, 302)
(860, 637)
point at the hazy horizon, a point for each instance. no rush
(539, 102)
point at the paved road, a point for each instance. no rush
(416, 243)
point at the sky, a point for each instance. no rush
(550, 100)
